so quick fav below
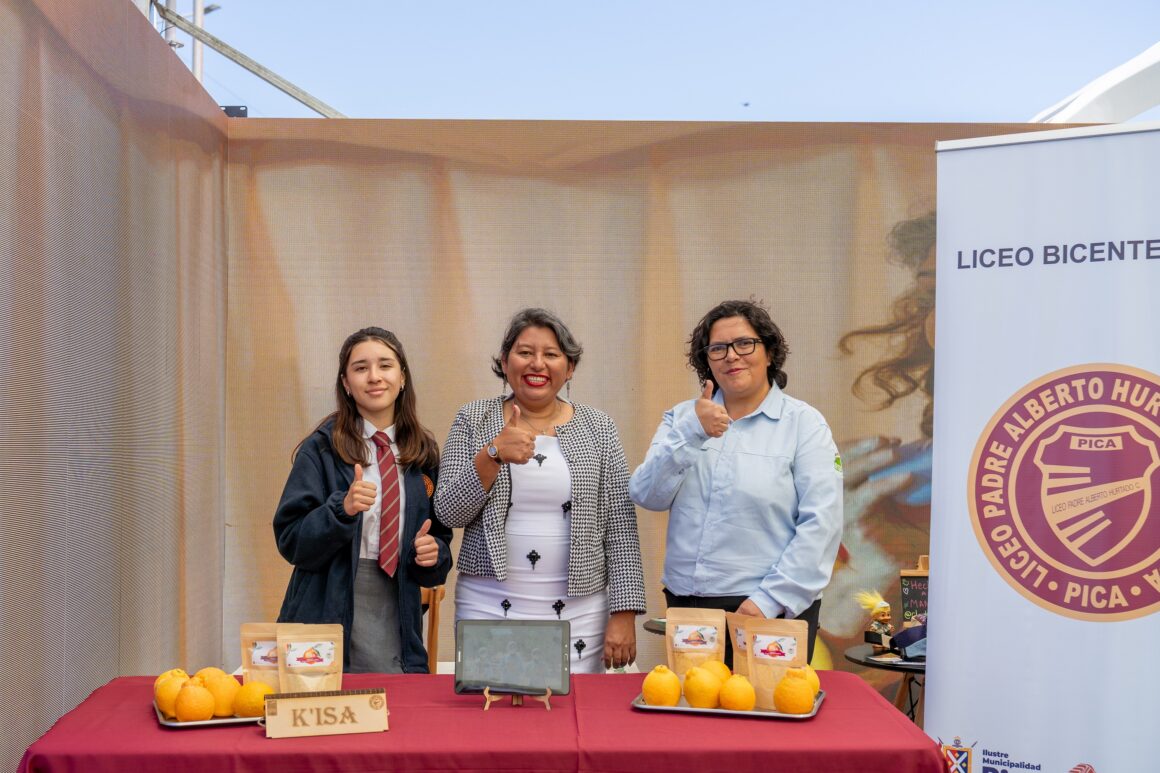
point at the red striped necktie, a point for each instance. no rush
(389, 515)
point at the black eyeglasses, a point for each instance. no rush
(742, 346)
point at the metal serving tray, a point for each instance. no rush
(682, 707)
(161, 720)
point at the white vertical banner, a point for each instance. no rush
(1045, 536)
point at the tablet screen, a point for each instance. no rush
(524, 657)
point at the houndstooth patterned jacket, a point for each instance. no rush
(605, 549)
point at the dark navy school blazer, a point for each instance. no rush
(315, 534)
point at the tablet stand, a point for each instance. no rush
(517, 700)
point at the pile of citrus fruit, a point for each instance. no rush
(708, 686)
(208, 694)
(796, 691)
(711, 685)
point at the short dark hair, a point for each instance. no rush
(533, 317)
(753, 312)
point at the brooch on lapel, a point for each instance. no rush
(429, 485)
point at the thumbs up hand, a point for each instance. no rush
(360, 497)
(714, 418)
(426, 548)
(514, 443)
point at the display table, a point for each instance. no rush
(432, 728)
(909, 695)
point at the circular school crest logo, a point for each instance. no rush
(1061, 492)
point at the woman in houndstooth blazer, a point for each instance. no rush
(539, 486)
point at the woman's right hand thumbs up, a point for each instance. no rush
(714, 418)
(514, 443)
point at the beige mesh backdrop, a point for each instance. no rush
(112, 367)
(631, 231)
(151, 389)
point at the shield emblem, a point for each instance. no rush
(1096, 489)
(958, 759)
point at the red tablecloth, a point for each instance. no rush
(433, 729)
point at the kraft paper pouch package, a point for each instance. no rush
(693, 636)
(736, 625)
(773, 646)
(260, 653)
(309, 657)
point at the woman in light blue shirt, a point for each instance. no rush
(750, 476)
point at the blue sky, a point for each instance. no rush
(747, 60)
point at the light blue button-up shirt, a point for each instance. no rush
(756, 512)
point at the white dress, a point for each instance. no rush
(538, 536)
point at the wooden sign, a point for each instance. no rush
(915, 583)
(339, 712)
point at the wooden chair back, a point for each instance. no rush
(432, 598)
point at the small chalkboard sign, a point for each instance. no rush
(915, 584)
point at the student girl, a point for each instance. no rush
(355, 518)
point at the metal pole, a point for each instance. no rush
(170, 30)
(198, 46)
(234, 55)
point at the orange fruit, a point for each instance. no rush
(250, 700)
(719, 669)
(812, 678)
(793, 694)
(165, 694)
(661, 687)
(194, 702)
(702, 688)
(209, 671)
(822, 658)
(171, 672)
(223, 689)
(737, 694)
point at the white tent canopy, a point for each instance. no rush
(1118, 95)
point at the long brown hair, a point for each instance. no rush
(909, 365)
(416, 444)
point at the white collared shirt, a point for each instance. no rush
(370, 532)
